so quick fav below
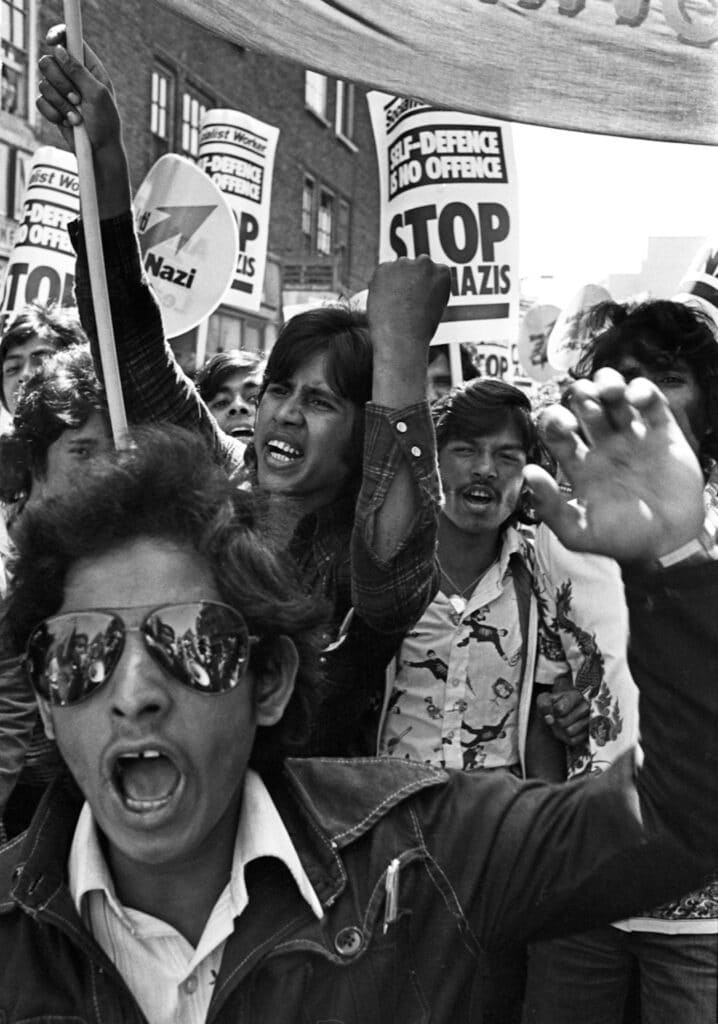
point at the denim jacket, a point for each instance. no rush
(482, 860)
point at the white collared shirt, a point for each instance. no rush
(172, 981)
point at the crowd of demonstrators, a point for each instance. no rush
(343, 433)
(184, 865)
(181, 643)
(671, 951)
(33, 333)
(60, 424)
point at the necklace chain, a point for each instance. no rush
(459, 591)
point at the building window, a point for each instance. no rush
(343, 228)
(193, 107)
(315, 93)
(308, 190)
(324, 222)
(344, 120)
(228, 331)
(162, 109)
(13, 57)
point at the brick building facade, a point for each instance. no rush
(323, 239)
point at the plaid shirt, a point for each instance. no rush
(333, 547)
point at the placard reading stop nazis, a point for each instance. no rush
(448, 189)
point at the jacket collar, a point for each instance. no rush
(326, 805)
(37, 861)
(341, 800)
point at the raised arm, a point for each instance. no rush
(637, 484)
(567, 858)
(155, 387)
(395, 526)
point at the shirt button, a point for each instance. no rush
(348, 941)
(401, 427)
(190, 985)
(416, 451)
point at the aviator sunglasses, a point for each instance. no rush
(204, 645)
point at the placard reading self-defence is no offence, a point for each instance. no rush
(448, 189)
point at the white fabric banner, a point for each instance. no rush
(642, 68)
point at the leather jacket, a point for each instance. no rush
(485, 860)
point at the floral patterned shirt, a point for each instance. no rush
(586, 616)
(458, 686)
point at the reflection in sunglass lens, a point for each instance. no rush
(71, 655)
(208, 653)
(204, 645)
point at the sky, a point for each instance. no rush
(588, 203)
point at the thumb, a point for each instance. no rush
(83, 72)
(544, 706)
(564, 519)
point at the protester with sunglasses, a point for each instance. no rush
(206, 877)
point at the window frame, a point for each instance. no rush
(321, 233)
(189, 129)
(345, 113)
(162, 108)
(312, 80)
(308, 213)
(15, 42)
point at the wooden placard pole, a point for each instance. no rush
(93, 240)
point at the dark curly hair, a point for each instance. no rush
(222, 365)
(61, 394)
(657, 333)
(167, 487)
(480, 407)
(55, 325)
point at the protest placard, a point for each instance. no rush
(534, 333)
(42, 264)
(569, 336)
(699, 286)
(237, 152)
(188, 239)
(448, 189)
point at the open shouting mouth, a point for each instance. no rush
(479, 496)
(281, 453)
(146, 780)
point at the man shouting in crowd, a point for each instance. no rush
(185, 869)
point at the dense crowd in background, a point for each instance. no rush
(363, 539)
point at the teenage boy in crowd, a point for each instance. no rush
(205, 877)
(470, 670)
(361, 527)
(33, 334)
(60, 424)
